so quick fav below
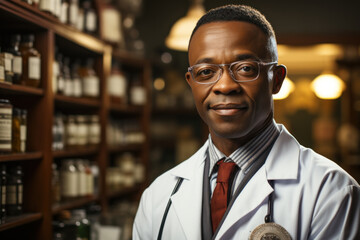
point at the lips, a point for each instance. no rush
(228, 108)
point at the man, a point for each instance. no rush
(251, 179)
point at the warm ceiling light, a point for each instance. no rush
(180, 32)
(328, 86)
(286, 88)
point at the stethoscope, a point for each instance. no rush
(268, 218)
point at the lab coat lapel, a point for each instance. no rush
(281, 164)
(253, 194)
(187, 202)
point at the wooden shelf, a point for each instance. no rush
(16, 221)
(14, 89)
(77, 152)
(71, 204)
(72, 102)
(41, 105)
(129, 109)
(123, 148)
(21, 156)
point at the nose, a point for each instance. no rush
(226, 84)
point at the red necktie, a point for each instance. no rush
(219, 198)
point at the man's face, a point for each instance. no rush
(232, 109)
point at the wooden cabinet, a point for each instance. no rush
(42, 103)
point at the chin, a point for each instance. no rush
(231, 132)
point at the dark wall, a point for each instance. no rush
(331, 17)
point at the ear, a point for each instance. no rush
(188, 78)
(279, 76)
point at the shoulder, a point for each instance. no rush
(164, 184)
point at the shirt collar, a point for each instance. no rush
(245, 155)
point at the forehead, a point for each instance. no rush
(226, 41)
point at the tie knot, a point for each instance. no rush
(224, 171)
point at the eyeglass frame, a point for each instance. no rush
(260, 63)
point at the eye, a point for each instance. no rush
(245, 69)
(205, 71)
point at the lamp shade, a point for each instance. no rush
(179, 36)
(327, 86)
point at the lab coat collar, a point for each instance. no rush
(189, 195)
(283, 160)
(281, 164)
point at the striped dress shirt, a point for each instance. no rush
(244, 156)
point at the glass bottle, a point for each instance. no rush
(64, 11)
(91, 82)
(14, 191)
(16, 126)
(94, 130)
(73, 12)
(8, 69)
(90, 17)
(31, 61)
(55, 182)
(117, 84)
(71, 132)
(17, 59)
(60, 87)
(82, 223)
(82, 130)
(82, 185)
(5, 126)
(77, 86)
(3, 183)
(55, 73)
(137, 92)
(2, 69)
(69, 180)
(47, 6)
(23, 130)
(68, 84)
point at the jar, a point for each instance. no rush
(71, 131)
(5, 126)
(69, 180)
(82, 130)
(94, 130)
(82, 178)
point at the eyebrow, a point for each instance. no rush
(239, 57)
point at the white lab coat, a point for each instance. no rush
(314, 198)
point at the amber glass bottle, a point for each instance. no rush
(31, 62)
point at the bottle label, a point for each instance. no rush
(17, 65)
(69, 185)
(90, 21)
(63, 12)
(5, 128)
(34, 68)
(68, 87)
(73, 14)
(19, 194)
(8, 61)
(47, 5)
(2, 73)
(91, 86)
(11, 194)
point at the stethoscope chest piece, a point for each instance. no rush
(269, 231)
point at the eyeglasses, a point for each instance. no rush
(241, 71)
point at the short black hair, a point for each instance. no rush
(236, 13)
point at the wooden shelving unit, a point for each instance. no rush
(41, 104)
